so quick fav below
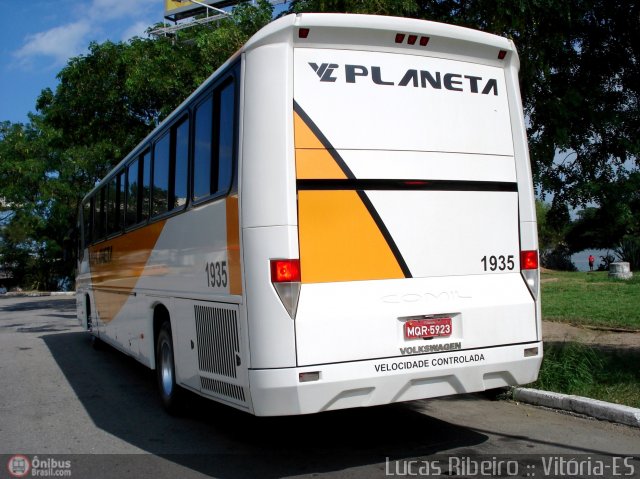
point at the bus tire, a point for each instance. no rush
(170, 392)
(87, 309)
(96, 343)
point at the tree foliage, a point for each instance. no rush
(579, 80)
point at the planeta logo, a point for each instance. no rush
(411, 78)
(325, 71)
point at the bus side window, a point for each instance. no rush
(99, 217)
(202, 172)
(180, 165)
(145, 199)
(120, 200)
(112, 207)
(87, 223)
(160, 203)
(132, 194)
(225, 136)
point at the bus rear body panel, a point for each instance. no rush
(413, 205)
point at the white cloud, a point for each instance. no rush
(65, 41)
(60, 43)
(138, 29)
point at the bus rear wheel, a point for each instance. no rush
(170, 392)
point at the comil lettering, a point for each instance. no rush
(411, 78)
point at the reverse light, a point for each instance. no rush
(529, 271)
(286, 277)
(309, 376)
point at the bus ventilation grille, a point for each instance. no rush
(218, 352)
(218, 345)
(223, 388)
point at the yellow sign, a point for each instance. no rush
(177, 9)
(171, 5)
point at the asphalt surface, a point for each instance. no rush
(60, 398)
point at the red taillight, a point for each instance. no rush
(502, 54)
(424, 41)
(528, 260)
(412, 39)
(399, 37)
(285, 270)
(303, 32)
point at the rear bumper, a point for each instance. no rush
(278, 392)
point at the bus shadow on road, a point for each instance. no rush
(120, 397)
(38, 303)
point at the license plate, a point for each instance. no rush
(427, 328)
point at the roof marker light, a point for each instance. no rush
(412, 39)
(424, 41)
(502, 54)
(400, 37)
(303, 32)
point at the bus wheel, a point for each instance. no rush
(87, 308)
(96, 343)
(170, 392)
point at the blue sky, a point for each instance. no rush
(39, 36)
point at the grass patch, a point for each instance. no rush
(591, 299)
(608, 375)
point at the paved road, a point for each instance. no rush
(60, 396)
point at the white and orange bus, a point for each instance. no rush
(342, 215)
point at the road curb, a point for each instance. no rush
(590, 407)
(37, 294)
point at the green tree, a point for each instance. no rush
(219, 44)
(400, 8)
(553, 222)
(617, 219)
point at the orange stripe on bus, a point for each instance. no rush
(233, 245)
(117, 265)
(340, 241)
(313, 161)
(303, 136)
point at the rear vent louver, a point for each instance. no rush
(222, 388)
(218, 351)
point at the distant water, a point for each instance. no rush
(581, 259)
